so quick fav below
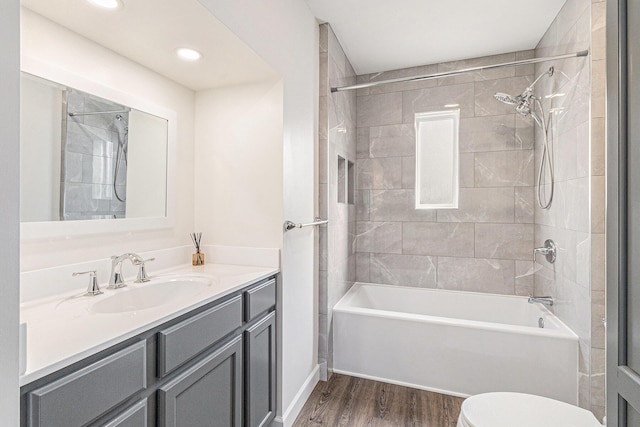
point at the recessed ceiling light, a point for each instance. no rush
(188, 54)
(106, 4)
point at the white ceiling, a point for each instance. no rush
(382, 35)
(148, 32)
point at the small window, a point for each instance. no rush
(437, 158)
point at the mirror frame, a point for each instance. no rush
(65, 229)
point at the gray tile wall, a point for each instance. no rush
(89, 158)
(571, 220)
(337, 140)
(485, 245)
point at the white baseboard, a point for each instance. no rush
(299, 400)
(401, 383)
(324, 376)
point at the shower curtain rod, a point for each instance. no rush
(92, 113)
(463, 71)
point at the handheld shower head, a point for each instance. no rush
(525, 99)
(506, 98)
(525, 105)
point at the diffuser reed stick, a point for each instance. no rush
(198, 257)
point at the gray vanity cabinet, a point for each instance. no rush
(260, 369)
(209, 394)
(214, 366)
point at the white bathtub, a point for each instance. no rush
(457, 343)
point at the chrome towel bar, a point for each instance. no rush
(290, 225)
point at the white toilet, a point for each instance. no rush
(522, 410)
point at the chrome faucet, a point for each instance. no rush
(542, 300)
(549, 250)
(115, 278)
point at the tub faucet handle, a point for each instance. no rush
(94, 288)
(549, 250)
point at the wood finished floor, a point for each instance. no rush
(356, 402)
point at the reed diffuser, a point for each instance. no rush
(198, 257)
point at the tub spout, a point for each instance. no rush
(541, 300)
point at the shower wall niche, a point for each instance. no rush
(94, 159)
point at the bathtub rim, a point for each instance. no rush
(563, 332)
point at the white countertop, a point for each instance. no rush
(61, 334)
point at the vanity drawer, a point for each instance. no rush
(82, 396)
(181, 342)
(259, 299)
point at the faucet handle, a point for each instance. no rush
(94, 288)
(549, 250)
(142, 270)
(142, 261)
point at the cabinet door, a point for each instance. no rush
(209, 394)
(135, 416)
(260, 372)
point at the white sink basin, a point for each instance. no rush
(151, 295)
(137, 297)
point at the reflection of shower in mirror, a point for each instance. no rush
(104, 126)
(123, 145)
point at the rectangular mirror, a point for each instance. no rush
(84, 157)
(92, 159)
(437, 157)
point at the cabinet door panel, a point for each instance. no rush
(135, 416)
(260, 367)
(86, 394)
(209, 394)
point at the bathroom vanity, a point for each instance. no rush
(211, 362)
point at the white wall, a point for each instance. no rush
(52, 44)
(40, 159)
(9, 210)
(285, 34)
(238, 166)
